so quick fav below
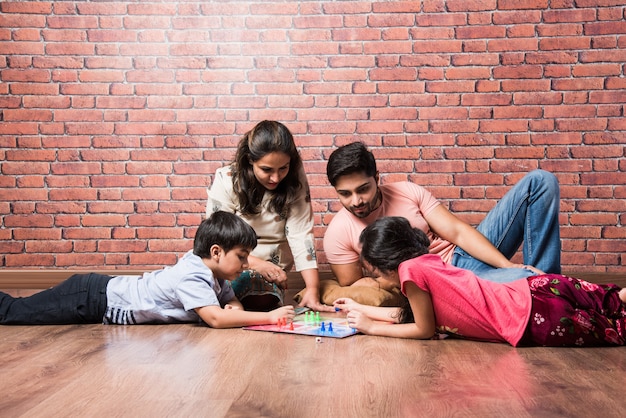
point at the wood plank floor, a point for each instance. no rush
(195, 371)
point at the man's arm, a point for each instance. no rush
(347, 274)
(451, 228)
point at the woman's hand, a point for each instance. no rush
(311, 299)
(271, 272)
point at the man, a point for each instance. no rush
(527, 214)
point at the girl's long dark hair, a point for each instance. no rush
(388, 242)
(266, 137)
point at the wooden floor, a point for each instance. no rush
(195, 371)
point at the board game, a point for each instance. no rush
(311, 323)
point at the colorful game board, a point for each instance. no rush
(312, 323)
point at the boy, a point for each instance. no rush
(194, 289)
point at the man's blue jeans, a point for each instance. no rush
(81, 299)
(528, 214)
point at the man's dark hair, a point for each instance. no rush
(349, 159)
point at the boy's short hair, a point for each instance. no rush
(224, 229)
(349, 159)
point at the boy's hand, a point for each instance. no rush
(284, 312)
(346, 305)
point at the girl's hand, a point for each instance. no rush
(359, 321)
(346, 305)
(284, 312)
(229, 306)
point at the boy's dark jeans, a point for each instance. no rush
(81, 299)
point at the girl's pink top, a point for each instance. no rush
(468, 306)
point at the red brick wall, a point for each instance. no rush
(114, 115)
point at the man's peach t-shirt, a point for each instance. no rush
(409, 200)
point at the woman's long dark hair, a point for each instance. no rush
(266, 137)
(388, 242)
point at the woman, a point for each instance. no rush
(266, 186)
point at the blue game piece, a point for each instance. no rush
(330, 327)
(337, 309)
(322, 328)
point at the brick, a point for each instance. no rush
(603, 178)
(503, 126)
(28, 221)
(602, 56)
(17, 115)
(564, 111)
(437, 46)
(556, 138)
(563, 43)
(598, 124)
(604, 28)
(517, 17)
(480, 32)
(579, 84)
(501, 99)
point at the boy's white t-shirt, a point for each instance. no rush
(165, 296)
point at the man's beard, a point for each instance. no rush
(369, 206)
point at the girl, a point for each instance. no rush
(545, 310)
(266, 186)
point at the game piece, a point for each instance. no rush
(318, 339)
(322, 328)
(337, 309)
(330, 327)
(291, 325)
